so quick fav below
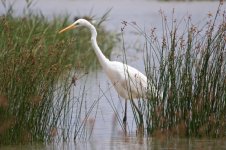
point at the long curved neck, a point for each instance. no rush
(102, 59)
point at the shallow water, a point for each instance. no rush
(130, 143)
(107, 133)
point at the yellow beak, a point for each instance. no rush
(72, 26)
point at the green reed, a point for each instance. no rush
(187, 66)
(36, 76)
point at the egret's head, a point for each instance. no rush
(76, 24)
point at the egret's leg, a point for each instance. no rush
(138, 111)
(125, 113)
(140, 129)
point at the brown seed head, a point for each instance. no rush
(4, 102)
(35, 100)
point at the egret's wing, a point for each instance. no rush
(135, 82)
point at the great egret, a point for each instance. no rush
(128, 81)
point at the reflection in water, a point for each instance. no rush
(128, 143)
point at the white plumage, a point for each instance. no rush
(128, 81)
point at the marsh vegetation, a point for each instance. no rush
(187, 64)
(38, 69)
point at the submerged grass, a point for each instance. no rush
(187, 66)
(36, 67)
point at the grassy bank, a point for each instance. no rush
(187, 66)
(36, 75)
